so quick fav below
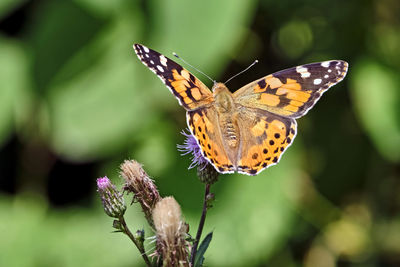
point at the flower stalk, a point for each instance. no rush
(114, 206)
(201, 224)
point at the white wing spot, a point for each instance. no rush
(303, 71)
(163, 60)
(160, 68)
(329, 70)
(317, 81)
(146, 49)
(152, 62)
(147, 55)
(325, 64)
(326, 76)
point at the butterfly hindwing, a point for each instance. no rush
(203, 124)
(190, 91)
(292, 92)
(264, 138)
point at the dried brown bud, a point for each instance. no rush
(139, 183)
(171, 232)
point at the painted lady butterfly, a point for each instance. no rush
(248, 130)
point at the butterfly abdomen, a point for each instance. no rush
(230, 131)
(226, 109)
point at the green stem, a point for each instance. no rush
(201, 225)
(138, 244)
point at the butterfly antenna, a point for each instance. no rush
(251, 65)
(193, 67)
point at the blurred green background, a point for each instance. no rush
(75, 102)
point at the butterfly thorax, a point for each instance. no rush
(227, 114)
(223, 98)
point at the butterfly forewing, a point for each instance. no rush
(190, 91)
(292, 92)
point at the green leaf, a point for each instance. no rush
(198, 262)
(54, 41)
(376, 99)
(94, 111)
(15, 86)
(223, 30)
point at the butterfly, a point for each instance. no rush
(248, 130)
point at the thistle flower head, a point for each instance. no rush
(171, 232)
(190, 146)
(112, 199)
(139, 183)
(205, 171)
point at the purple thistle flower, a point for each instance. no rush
(113, 202)
(103, 183)
(190, 146)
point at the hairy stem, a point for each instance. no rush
(201, 225)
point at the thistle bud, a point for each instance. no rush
(207, 174)
(171, 232)
(112, 199)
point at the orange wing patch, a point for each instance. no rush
(283, 98)
(271, 136)
(202, 124)
(189, 90)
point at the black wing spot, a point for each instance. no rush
(262, 84)
(271, 142)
